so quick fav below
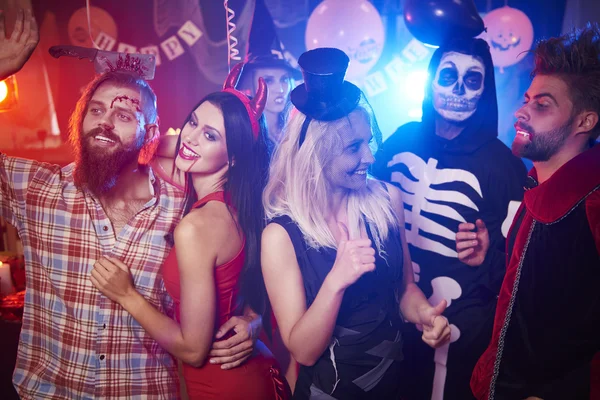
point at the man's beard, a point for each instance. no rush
(99, 169)
(543, 145)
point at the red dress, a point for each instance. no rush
(258, 378)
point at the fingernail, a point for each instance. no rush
(211, 361)
(474, 242)
(224, 367)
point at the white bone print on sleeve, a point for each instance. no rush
(513, 206)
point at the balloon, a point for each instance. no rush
(509, 34)
(353, 26)
(433, 22)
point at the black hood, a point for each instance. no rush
(482, 126)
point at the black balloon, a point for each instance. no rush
(435, 21)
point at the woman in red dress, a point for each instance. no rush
(213, 271)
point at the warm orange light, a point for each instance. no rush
(3, 91)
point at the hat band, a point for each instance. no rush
(304, 130)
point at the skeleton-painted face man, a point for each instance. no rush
(452, 168)
(458, 86)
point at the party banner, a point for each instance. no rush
(188, 38)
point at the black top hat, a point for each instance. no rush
(325, 95)
(264, 48)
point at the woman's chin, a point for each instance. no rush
(275, 108)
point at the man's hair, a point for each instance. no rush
(574, 58)
(120, 79)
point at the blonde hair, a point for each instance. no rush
(297, 186)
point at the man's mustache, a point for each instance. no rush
(101, 131)
(524, 126)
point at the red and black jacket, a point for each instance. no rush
(547, 323)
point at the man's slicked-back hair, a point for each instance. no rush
(574, 58)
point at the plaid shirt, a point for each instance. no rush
(76, 343)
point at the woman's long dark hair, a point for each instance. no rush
(244, 182)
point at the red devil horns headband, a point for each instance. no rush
(255, 106)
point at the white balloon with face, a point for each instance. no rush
(457, 86)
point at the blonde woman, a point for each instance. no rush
(334, 255)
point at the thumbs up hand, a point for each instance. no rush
(354, 258)
(436, 329)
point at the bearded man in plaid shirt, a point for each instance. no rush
(75, 343)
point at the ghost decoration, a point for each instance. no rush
(509, 34)
(458, 86)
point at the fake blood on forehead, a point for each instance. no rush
(135, 102)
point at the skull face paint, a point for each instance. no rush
(458, 86)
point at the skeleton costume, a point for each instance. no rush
(444, 183)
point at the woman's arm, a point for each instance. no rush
(289, 366)
(307, 333)
(167, 146)
(163, 161)
(413, 303)
(198, 241)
